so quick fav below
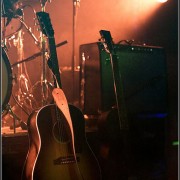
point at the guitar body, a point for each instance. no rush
(50, 156)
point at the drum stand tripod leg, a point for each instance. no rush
(22, 123)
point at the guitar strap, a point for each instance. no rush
(62, 104)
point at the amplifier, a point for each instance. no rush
(143, 72)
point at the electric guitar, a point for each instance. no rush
(115, 123)
(58, 149)
(118, 84)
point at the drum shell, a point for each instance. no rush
(6, 79)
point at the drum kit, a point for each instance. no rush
(18, 103)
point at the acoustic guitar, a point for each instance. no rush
(58, 149)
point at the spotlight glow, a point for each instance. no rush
(162, 1)
(125, 18)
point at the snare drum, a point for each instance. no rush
(6, 79)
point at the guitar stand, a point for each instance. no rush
(22, 124)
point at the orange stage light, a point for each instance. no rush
(162, 1)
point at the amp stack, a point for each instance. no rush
(143, 72)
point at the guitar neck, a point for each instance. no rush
(54, 60)
(118, 84)
(120, 98)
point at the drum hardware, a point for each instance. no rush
(30, 32)
(10, 25)
(12, 28)
(20, 123)
(43, 84)
(37, 89)
(22, 96)
(6, 42)
(10, 8)
(23, 80)
(15, 17)
(10, 117)
(6, 80)
(36, 55)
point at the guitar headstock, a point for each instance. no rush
(107, 40)
(45, 24)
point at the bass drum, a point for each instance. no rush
(6, 79)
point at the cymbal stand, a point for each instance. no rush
(15, 117)
(24, 98)
(24, 80)
(30, 32)
(76, 4)
(42, 46)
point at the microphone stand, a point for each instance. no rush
(76, 4)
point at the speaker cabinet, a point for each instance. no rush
(143, 73)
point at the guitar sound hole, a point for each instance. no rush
(61, 132)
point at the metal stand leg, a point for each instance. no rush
(22, 123)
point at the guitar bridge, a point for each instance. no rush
(66, 160)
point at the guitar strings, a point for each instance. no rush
(61, 149)
(64, 148)
(60, 133)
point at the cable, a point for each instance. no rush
(129, 42)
